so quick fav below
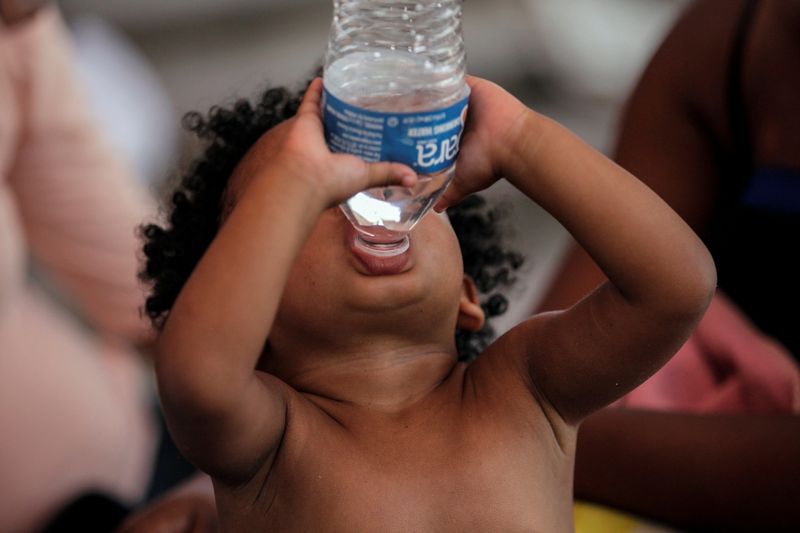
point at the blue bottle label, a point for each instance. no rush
(427, 141)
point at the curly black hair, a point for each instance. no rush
(194, 211)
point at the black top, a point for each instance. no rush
(756, 232)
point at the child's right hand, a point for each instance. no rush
(496, 124)
(297, 150)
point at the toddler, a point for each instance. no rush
(320, 388)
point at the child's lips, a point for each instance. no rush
(379, 266)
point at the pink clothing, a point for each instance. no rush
(726, 366)
(74, 403)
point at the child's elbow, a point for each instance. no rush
(694, 294)
(186, 385)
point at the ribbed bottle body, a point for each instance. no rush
(396, 56)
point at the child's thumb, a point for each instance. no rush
(452, 195)
(384, 174)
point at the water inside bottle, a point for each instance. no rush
(393, 81)
(386, 214)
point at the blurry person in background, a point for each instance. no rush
(714, 128)
(75, 408)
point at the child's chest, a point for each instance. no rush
(445, 471)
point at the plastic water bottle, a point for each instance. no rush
(395, 91)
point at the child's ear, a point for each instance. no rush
(470, 313)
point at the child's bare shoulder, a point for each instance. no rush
(502, 372)
(501, 379)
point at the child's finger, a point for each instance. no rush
(383, 174)
(472, 81)
(312, 99)
(355, 175)
(452, 195)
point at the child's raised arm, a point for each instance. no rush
(225, 416)
(661, 277)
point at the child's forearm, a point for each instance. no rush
(661, 277)
(649, 254)
(220, 322)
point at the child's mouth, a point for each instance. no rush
(375, 265)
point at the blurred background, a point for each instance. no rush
(148, 62)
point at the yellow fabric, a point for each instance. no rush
(590, 518)
(595, 519)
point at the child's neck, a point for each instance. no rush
(382, 378)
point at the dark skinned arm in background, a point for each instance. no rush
(726, 472)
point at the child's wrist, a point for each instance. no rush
(524, 138)
(287, 185)
(292, 181)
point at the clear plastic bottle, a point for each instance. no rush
(395, 91)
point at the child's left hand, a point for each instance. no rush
(496, 127)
